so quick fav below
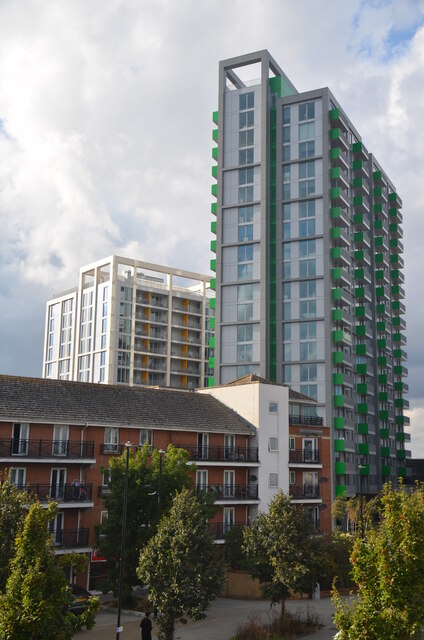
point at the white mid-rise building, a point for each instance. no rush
(130, 322)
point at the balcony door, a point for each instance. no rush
(229, 518)
(57, 484)
(230, 447)
(201, 480)
(60, 439)
(56, 528)
(20, 436)
(310, 484)
(229, 484)
(202, 446)
(18, 477)
(310, 448)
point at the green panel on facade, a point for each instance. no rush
(357, 165)
(378, 241)
(381, 307)
(379, 257)
(378, 224)
(213, 264)
(392, 197)
(381, 325)
(357, 183)
(396, 289)
(213, 246)
(334, 154)
(393, 227)
(397, 337)
(336, 273)
(358, 236)
(401, 472)
(357, 201)
(378, 192)
(400, 419)
(361, 369)
(358, 218)
(383, 396)
(215, 171)
(393, 212)
(399, 403)
(401, 454)
(379, 292)
(385, 452)
(336, 315)
(384, 433)
(334, 133)
(335, 172)
(336, 294)
(384, 414)
(376, 176)
(212, 342)
(379, 274)
(214, 208)
(364, 449)
(211, 382)
(337, 357)
(337, 335)
(215, 135)
(365, 468)
(378, 207)
(215, 153)
(396, 305)
(212, 303)
(382, 378)
(360, 330)
(275, 85)
(398, 386)
(382, 361)
(213, 284)
(211, 362)
(400, 437)
(214, 190)
(338, 422)
(338, 401)
(335, 233)
(363, 428)
(335, 212)
(358, 255)
(357, 147)
(339, 445)
(360, 312)
(334, 114)
(213, 226)
(335, 192)
(362, 389)
(395, 258)
(212, 323)
(398, 370)
(359, 292)
(340, 490)
(215, 117)
(359, 273)
(362, 408)
(361, 349)
(340, 468)
(397, 321)
(337, 378)
(385, 470)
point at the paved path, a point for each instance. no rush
(222, 620)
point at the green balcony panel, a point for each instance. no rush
(359, 273)
(398, 386)
(360, 330)
(338, 400)
(365, 468)
(337, 357)
(334, 133)
(335, 173)
(337, 378)
(400, 420)
(399, 403)
(378, 208)
(215, 135)
(395, 258)
(393, 243)
(382, 361)
(339, 422)
(384, 414)
(363, 428)
(379, 292)
(358, 236)
(382, 378)
(362, 408)
(213, 284)
(340, 468)
(215, 171)
(339, 445)
(364, 449)
(379, 258)
(385, 452)
(396, 289)
(336, 294)
(215, 117)
(213, 246)
(361, 349)
(357, 201)
(212, 323)
(384, 433)
(357, 147)
(361, 369)
(394, 227)
(335, 233)
(378, 225)
(336, 315)
(358, 255)
(397, 322)
(378, 192)
(393, 212)
(381, 325)
(383, 396)
(336, 253)
(397, 337)
(401, 472)
(214, 208)
(335, 192)
(338, 335)
(357, 183)
(215, 153)
(336, 273)
(381, 307)
(214, 190)
(212, 303)
(357, 165)
(213, 226)
(358, 218)
(398, 370)
(400, 437)
(334, 153)
(362, 389)
(378, 241)
(381, 344)
(392, 197)
(379, 274)
(385, 470)
(359, 292)
(377, 176)
(401, 454)
(213, 264)
(211, 362)
(211, 382)
(340, 490)
(212, 342)
(396, 305)
(360, 312)
(335, 212)
(334, 114)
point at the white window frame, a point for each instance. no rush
(146, 435)
(16, 471)
(273, 407)
(273, 480)
(60, 440)
(229, 483)
(202, 445)
(58, 483)
(228, 519)
(20, 441)
(111, 440)
(202, 480)
(273, 443)
(229, 446)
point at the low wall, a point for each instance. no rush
(239, 584)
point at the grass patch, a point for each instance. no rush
(286, 627)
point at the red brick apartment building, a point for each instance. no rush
(56, 435)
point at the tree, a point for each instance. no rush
(388, 568)
(143, 511)
(13, 509)
(282, 551)
(180, 565)
(37, 596)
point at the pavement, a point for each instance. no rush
(223, 618)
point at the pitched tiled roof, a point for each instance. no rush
(40, 400)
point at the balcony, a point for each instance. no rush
(304, 456)
(112, 449)
(315, 421)
(230, 491)
(70, 538)
(75, 450)
(68, 492)
(219, 529)
(306, 491)
(221, 454)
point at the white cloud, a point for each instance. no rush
(105, 143)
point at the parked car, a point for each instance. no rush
(80, 599)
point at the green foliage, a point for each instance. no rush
(233, 551)
(13, 509)
(180, 565)
(282, 550)
(37, 595)
(335, 550)
(142, 513)
(388, 568)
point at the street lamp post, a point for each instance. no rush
(361, 508)
(124, 524)
(161, 452)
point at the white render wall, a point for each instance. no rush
(252, 402)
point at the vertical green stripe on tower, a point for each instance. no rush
(273, 246)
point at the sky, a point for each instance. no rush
(105, 135)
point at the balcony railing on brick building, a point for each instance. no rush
(67, 492)
(112, 449)
(35, 448)
(221, 454)
(304, 456)
(219, 529)
(70, 538)
(230, 491)
(315, 421)
(306, 491)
